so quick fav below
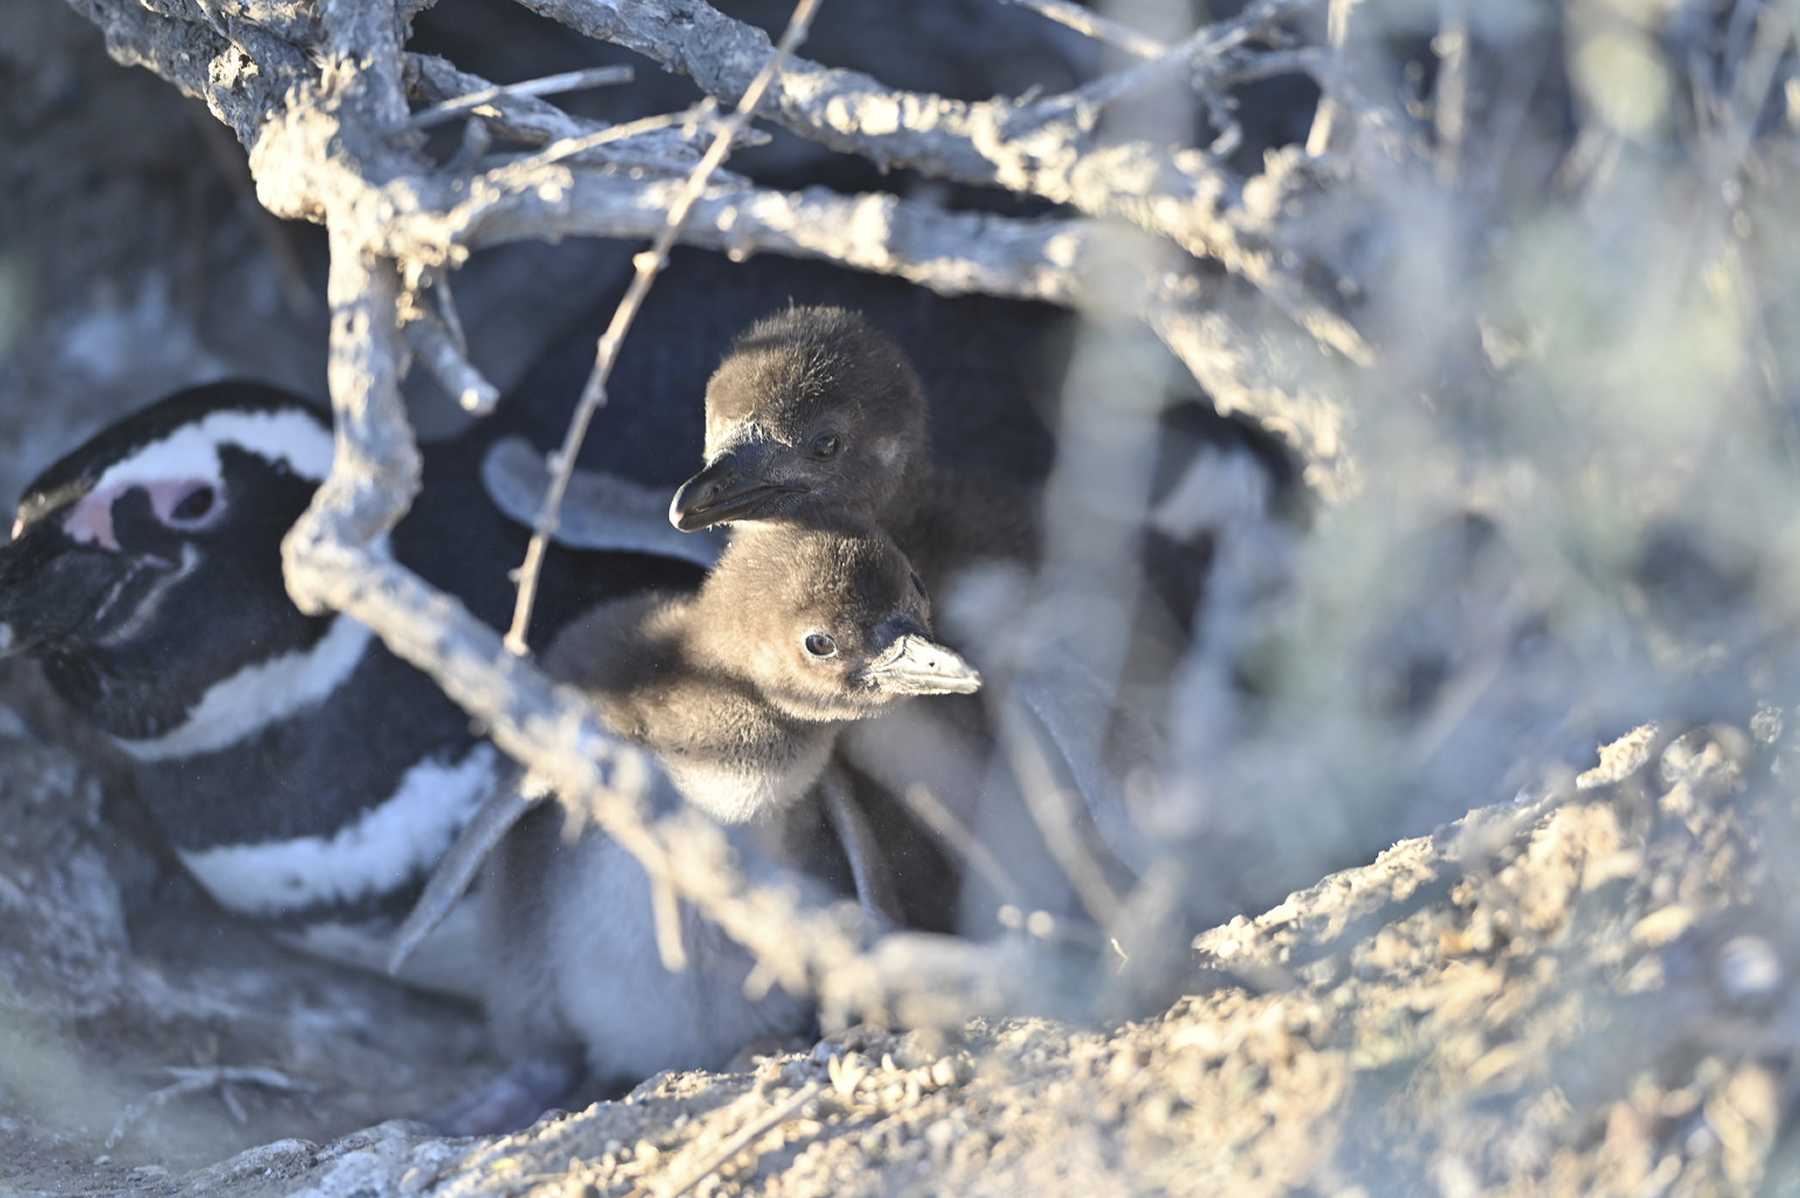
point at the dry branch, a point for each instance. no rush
(548, 85)
(1049, 147)
(1095, 25)
(646, 267)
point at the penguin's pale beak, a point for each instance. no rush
(52, 587)
(918, 665)
(734, 486)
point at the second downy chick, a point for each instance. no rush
(816, 415)
(739, 691)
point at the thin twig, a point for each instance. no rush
(649, 264)
(1094, 25)
(746, 1136)
(436, 344)
(196, 1080)
(548, 85)
(1325, 118)
(571, 147)
(1051, 809)
(955, 836)
(665, 908)
(1450, 111)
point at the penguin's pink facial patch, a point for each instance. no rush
(185, 505)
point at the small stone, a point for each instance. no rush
(949, 1071)
(846, 1072)
(1748, 967)
(1661, 927)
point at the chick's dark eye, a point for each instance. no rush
(826, 445)
(195, 505)
(820, 645)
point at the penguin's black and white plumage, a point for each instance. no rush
(302, 774)
(738, 692)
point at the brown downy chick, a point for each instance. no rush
(738, 691)
(814, 416)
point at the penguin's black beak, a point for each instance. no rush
(734, 486)
(914, 664)
(52, 587)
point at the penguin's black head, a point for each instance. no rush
(813, 415)
(146, 563)
(831, 623)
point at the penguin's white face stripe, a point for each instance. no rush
(192, 451)
(380, 852)
(260, 695)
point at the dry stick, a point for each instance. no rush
(435, 343)
(665, 909)
(1325, 117)
(569, 147)
(1096, 26)
(955, 836)
(746, 1136)
(1450, 111)
(649, 264)
(1051, 809)
(549, 85)
(196, 1080)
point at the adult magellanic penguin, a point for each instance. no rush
(301, 773)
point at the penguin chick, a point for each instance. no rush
(738, 691)
(815, 415)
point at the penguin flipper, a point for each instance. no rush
(601, 512)
(510, 800)
(869, 868)
(1072, 710)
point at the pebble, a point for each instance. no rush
(1748, 967)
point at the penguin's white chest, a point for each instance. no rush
(738, 792)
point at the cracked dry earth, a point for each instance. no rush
(1587, 991)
